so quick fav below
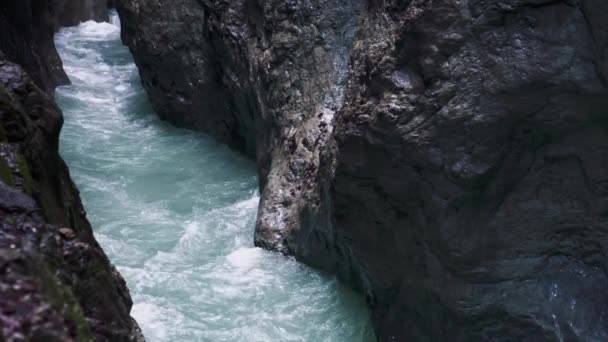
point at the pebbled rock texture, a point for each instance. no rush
(448, 158)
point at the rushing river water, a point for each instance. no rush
(175, 211)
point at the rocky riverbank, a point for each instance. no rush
(447, 158)
(56, 283)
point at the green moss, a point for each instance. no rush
(62, 298)
(6, 173)
(10, 220)
(24, 170)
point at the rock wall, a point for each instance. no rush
(27, 28)
(266, 78)
(470, 183)
(56, 283)
(181, 95)
(447, 158)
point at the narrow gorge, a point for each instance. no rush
(175, 211)
(304, 170)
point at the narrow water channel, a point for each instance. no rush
(175, 211)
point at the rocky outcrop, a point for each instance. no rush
(27, 28)
(445, 157)
(180, 72)
(266, 78)
(56, 283)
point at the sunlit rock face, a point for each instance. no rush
(446, 157)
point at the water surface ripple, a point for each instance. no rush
(175, 211)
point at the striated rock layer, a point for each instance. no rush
(446, 157)
(56, 283)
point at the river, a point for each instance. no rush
(175, 212)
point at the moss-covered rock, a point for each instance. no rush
(6, 173)
(64, 300)
(27, 182)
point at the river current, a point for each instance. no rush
(175, 212)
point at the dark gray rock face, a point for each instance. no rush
(267, 78)
(174, 37)
(448, 158)
(56, 283)
(264, 77)
(26, 34)
(471, 177)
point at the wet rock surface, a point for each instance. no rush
(447, 158)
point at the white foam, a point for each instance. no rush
(151, 318)
(92, 77)
(114, 19)
(101, 31)
(224, 221)
(245, 258)
(251, 203)
(192, 229)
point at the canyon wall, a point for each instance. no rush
(56, 283)
(27, 29)
(447, 158)
(471, 178)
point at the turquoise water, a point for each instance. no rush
(175, 211)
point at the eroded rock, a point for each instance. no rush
(445, 157)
